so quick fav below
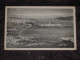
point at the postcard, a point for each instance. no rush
(40, 28)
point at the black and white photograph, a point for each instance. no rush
(40, 28)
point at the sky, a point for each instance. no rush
(42, 13)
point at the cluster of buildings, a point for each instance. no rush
(18, 20)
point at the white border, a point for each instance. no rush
(53, 7)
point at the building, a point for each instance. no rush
(50, 25)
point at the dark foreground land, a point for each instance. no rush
(43, 38)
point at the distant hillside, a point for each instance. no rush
(65, 18)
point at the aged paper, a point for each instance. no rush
(40, 28)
